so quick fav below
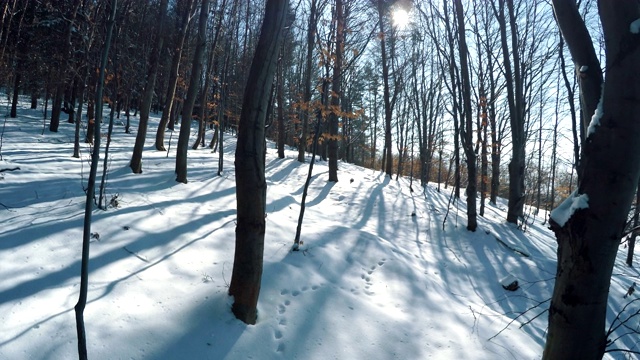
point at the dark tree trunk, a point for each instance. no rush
(336, 93)
(515, 99)
(311, 33)
(147, 94)
(588, 238)
(635, 232)
(91, 105)
(95, 158)
(76, 142)
(16, 92)
(251, 186)
(388, 110)
(56, 108)
(314, 148)
(192, 94)
(280, 100)
(169, 107)
(467, 136)
(577, 141)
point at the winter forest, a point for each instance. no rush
(319, 179)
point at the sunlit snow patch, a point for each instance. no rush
(563, 213)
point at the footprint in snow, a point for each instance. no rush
(367, 277)
(278, 333)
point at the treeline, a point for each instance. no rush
(451, 97)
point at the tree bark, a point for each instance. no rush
(516, 111)
(95, 158)
(56, 106)
(336, 93)
(173, 77)
(280, 100)
(635, 232)
(588, 241)
(147, 95)
(574, 31)
(311, 33)
(192, 94)
(467, 135)
(388, 110)
(251, 186)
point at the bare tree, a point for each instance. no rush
(95, 158)
(192, 93)
(147, 95)
(467, 125)
(336, 92)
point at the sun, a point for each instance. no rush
(400, 18)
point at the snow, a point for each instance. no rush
(568, 207)
(370, 282)
(584, 68)
(595, 119)
(634, 27)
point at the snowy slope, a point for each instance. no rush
(372, 281)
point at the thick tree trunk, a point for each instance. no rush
(251, 186)
(588, 240)
(147, 95)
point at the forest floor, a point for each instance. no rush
(384, 273)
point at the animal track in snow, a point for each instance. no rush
(367, 277)
(278, 333)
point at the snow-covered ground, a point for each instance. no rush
(372, 281)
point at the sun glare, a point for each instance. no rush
(401, 18)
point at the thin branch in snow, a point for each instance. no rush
(519, 315)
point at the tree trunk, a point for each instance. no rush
(251, 186)
(572, 110)
(588, 240)
(16, 92)
(280, 100)
(95, 158)
(516, 111)
(192, 93)
(60, 78)
(467, 136)
(173, 77)
(336, 93)
(147, 94)
(311, 34)
(388, 111)
(635, 232)
(76, 142)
